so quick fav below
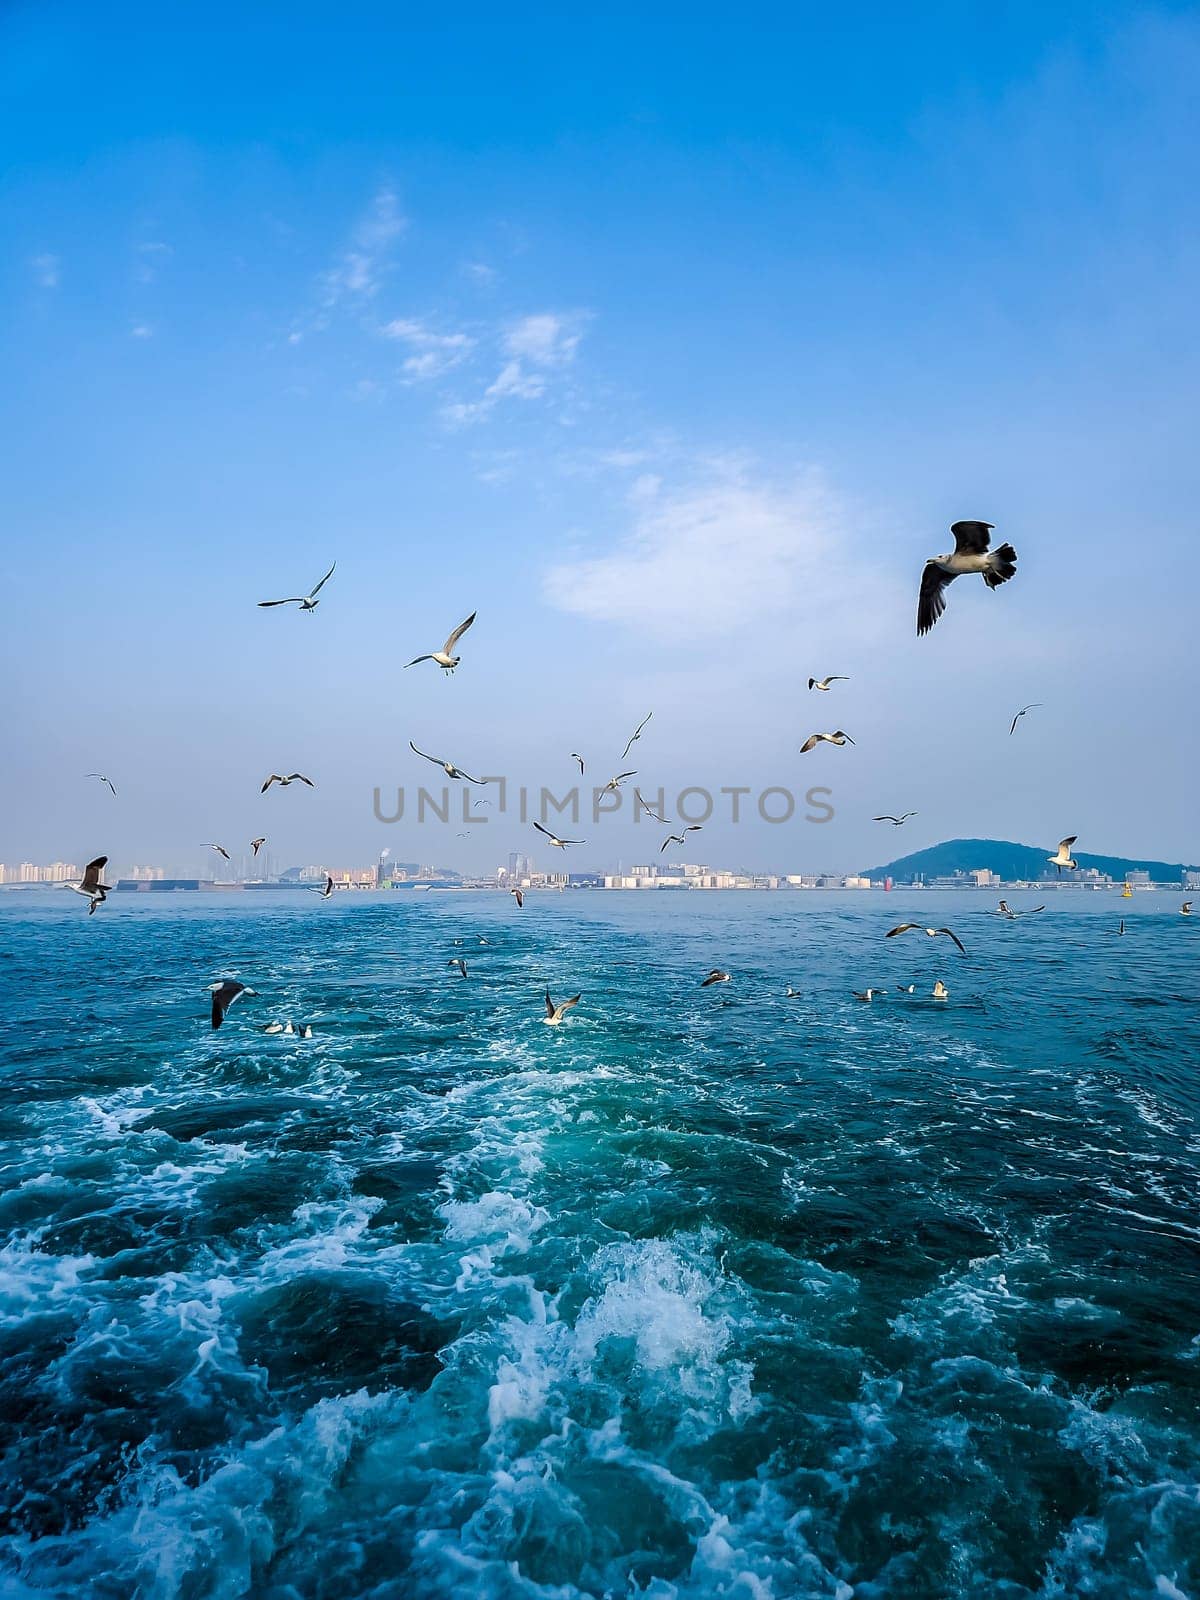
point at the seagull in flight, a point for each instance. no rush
(575, 756)
(257, 844)
(221, 850)
(223, 996)
(970, 554)
(306, 602)
(103, 779)
(717, 976)
(1020, 714)
(447, 767)
(326, 889)
(555, 840)
(445, 657)
(1005, 910)
(1063, 857)
(814, 739)
(518, 897)
(555, 1013)
(637, 734)
(90, 884)
(907, 927)
(457, 961)
(615, 783)
(283, 779)
(679, 838)
(896, 822)
(647, 809)
(823, 683)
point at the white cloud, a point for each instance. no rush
(150, 257)
(546, 339)
(513, 381)
(141, 330)
(433, 353)
(47, 270)
(719, 555)
(359, 270)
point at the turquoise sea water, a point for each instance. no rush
(707, 1292)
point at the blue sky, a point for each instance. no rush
(672, 349)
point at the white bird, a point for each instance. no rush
(90, 884)
(867, 994)
(717, 976)
(896, 822)
(555, 840)
(792, 994)
(307, 1031)
(306, 602)
(649, 812)
(291, 1027)
(224, 994)
(283, 779)
(447, 767)
(940, 991)
(615, 783)
(637, 734)
(326, 889)
(257, 844)
(273, 1027)
(1063, 857)
(445, 657)
(103, 779)
(907, 927)
(814, 739)
(823, 683)
(678, 838)
(221, 850)
(555, 1013)
(1020, 714)
(970, 554)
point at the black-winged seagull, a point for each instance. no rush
(919, 927)
(221, 850)
(223, 996)
(1020, 714)
(518, 897)
(555, 1013)
(457, 961)
(637, 734)
(679, 838)
(445, 657)
(103, 779)
(555, 840)
(257, 844)
(896, 822)
(284, 778)
(90, 884)
(823, 683)
(447, 767)
(306, 602)
(717, 975)
(814, 739)
(970, 554)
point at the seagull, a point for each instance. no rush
(896, 822)
(648, 810)
(284, 779)
(445, 657)
(1185, 909)
(717, 976)
(1063, 858)
(814, 739)
(460, 964)
(637, 734)
(103, 779)
(555, 1014)
(291, 1027)
(554, 840)
(518, 897)
(575, 756)
(1005, 910)
(970, 554)
(906, 988)
(221, 850)
(307, 1031)
(678, 838)
(306, 602)
(615, 783)
(1121, 929)
(223, 996)
(1020, 714)
(90, 884)
(273, 1027)
(906, 927)
(792, 994)
(823, 683)
(326, 889)
(940, 991)
(447, 767)
(867, 994)
(257, 844)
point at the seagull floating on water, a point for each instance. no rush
(445, 657)
(896, 822)
(306, 602)
(326, 889)
(940, 991)
(91, 885)
(792, 994)
(223, 996)
(906, 988)
(678, 838)
(1185, 909)
(103, 779)
(1020, 714)
(867, 994)
(555, 1013)
(1005, 910)
(823, 683)
(283, 779)
(908, 927)
(970, 554)
(637, 734)
(717, 976)
(447, 767)
(555, 840)
(814, 739)
(1063, 857)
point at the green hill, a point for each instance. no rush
(1010, 861)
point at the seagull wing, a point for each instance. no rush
(950, 935)
(567, 1004)
(322, 583)
(905, 927)
(546, 831)
(549, 1004)
(415, 659)
(294, 775)
(292, 600)
(422, 753)
(448, 647)
(1064, 846)
(672, 838)
(971, 538)
(932, 601)
(637, 734)
(91, 873)
(896, 820)
(812, 742)
(274, 778)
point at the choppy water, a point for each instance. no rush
(707, 1292)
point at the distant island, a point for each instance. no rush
(1013, 863)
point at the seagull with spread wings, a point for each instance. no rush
(306, 602)
(284, 778)
(909, 927)
(90, 884)
(326, 889)
(104, 779)
(555, 1013)
(221, 850)
(896, 822)
(814, 739)
(1062, 858)
(223, 996)
(447, 767)
(257, 844)
(1036, 704)
(970, 554)
(679, 838)
(637, 734)
(649, 812)
(614, 784)
(823, 683)
(457, 961)
(560, 844)
(445, 657)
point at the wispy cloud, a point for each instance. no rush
(151, 256)
(141, 330)
(359, 270)
(47, 270)
(537, 347)
(432, 353)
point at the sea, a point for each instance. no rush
(706, 1292)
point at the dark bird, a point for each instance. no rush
(326, 889)
(867, 994)
(896, 822)
(447, 767)
(1063, 856)
(221, 850)
(1020, 714)
(575, 756)
(814, 739)
(636, 735)
(103, 779)
(1185, 909)
(678, 838)
(459, 963)
(555, 840)
(907, 927)
(283, 779)
(518, 897)
(970, 554)
(555, 1013)
(717, 976)
(257, 844)
(90, 884)
(306, 602)
(445, 657)
(823, 683)
(223, 996)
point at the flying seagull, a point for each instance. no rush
(223, 996)
(1020, 714)
(1185, 909)
(970, 554)
(306, 602)
(1063, 857)
(717, 976)
(575, 756)
(679, 838)
(90, 884)
(1005, 910)
(459, 963)
(940, 991)
(221, 850)
(896, 822)
(555, 840)
(823, 683)
(647, 810)
(257, 844)
(103, 779)
(283, 779)
(518, 897)
(445, 657)
(615, 783)
(555, 1013)
(326, 889)
(447, 767)
(814, 739)
(906, 927)
(637, 734)
(867, 994)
